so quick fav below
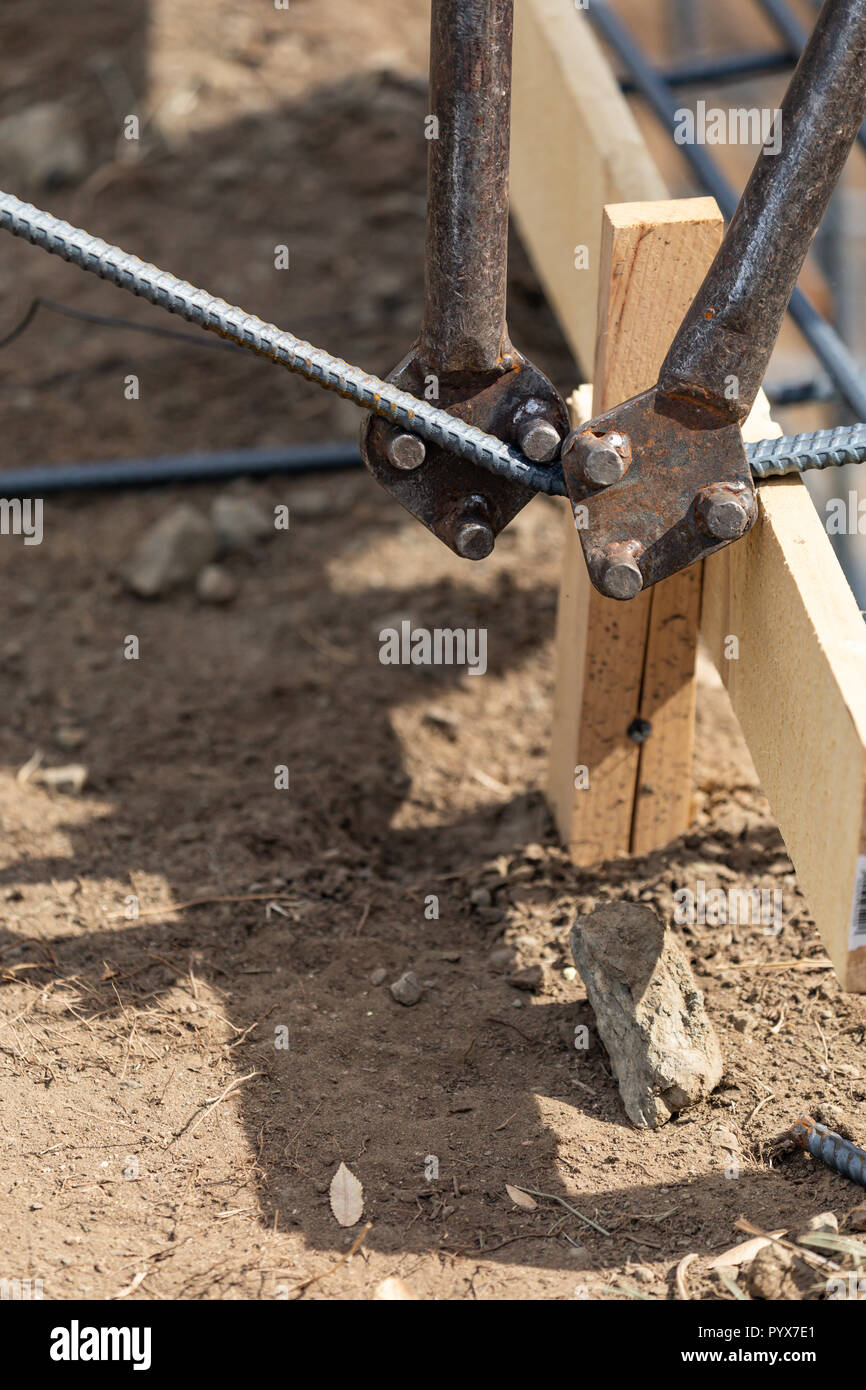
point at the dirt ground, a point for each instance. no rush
(156, 1142)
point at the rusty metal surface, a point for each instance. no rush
(838, 1153)
(675, 450)
(464, 354)
(445, 491)
(467, 186)
(687, 489)
(722, 348)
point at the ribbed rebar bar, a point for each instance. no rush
(831, 1148)
(768, 458)
(196, 306)
(799, 452)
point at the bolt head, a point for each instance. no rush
(474, 540)
(723, 514)
(595, 459)
(620, 576)
(406, 451)
(540, 440)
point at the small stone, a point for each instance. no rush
(36, 1206)
(833, 1118)
(742, 1020)
(171, 553)
(532, 978)
(240, 522)
(406, 990)
(857, 1218)
(71, 779)
(525, 942)
(69, 736)
(481, 897)
(41, 147)
(569, 973)
(378, 976)
(502, 959)
(649, 1012)
(215, 584)
(443, 721)
(642, 1273)
(769, 1274)
(825, 1224)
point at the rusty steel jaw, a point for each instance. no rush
(464, 505)
(681, 489)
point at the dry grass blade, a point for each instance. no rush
(552, 1197)
(680, 1276)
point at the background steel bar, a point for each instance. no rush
(828, 347)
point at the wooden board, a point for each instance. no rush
(620, 661)
(574, 147)
(798, 689)
(799, 686)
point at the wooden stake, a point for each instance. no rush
(621, 662)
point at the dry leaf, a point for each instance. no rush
(741, 1254)
(394, 1290)
(521, 1199)
(347, 1197)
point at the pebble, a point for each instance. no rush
(70, 736)
(768, 1276)
(443, 721)
(825, 1224)
(502, 959)
(857, 1218)
(240, 522)
(215, 584)
(407, 990)
(379, 976)
(40, 147)
(481, 897)
(171, 553)
(532, 978)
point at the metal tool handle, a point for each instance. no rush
(467, 211)
(722, 349)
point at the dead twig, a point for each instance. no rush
(353, 1249)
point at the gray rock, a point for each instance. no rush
(532, 978)
(649, 1012)
(770, 1273)
(378, 976)
(171, 553)
(407, 990)
(825, 1224)
(215, 584)
(857, 1218)
(481, 897)
(502, 959)
(240, 522)
(41, 147)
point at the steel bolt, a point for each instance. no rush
(599, 462)
(723, 514)
(539, 440)
(406, 451)
(474, 539)
(620, 574)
